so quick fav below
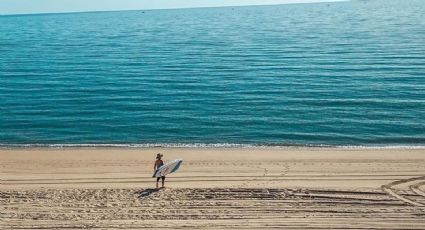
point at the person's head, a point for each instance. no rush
(159, 156)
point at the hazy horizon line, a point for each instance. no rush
(171, 8)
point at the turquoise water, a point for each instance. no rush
(348, 73)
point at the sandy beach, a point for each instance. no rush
(214, 189)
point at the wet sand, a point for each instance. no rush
(214, 189)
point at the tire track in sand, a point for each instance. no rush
(416, 189)
(206, 208)
(388, 188)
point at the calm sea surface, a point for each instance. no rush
(348, 73)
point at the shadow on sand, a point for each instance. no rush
(147, 192)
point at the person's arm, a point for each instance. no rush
(154, 166)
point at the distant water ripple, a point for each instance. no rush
(328, 74)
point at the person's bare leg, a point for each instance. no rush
(163, 180)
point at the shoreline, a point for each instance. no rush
(205, 146)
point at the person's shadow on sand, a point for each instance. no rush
(147, 192)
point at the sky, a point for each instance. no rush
(58, 6)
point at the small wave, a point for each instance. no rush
(211, 145)
(380, 146)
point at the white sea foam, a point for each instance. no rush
(208, 145)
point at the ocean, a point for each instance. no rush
(327, 74)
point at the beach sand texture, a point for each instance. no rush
(214, 189)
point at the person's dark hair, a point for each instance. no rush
(158, 156)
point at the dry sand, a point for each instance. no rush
(214, 189)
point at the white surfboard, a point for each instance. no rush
(168, 168)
